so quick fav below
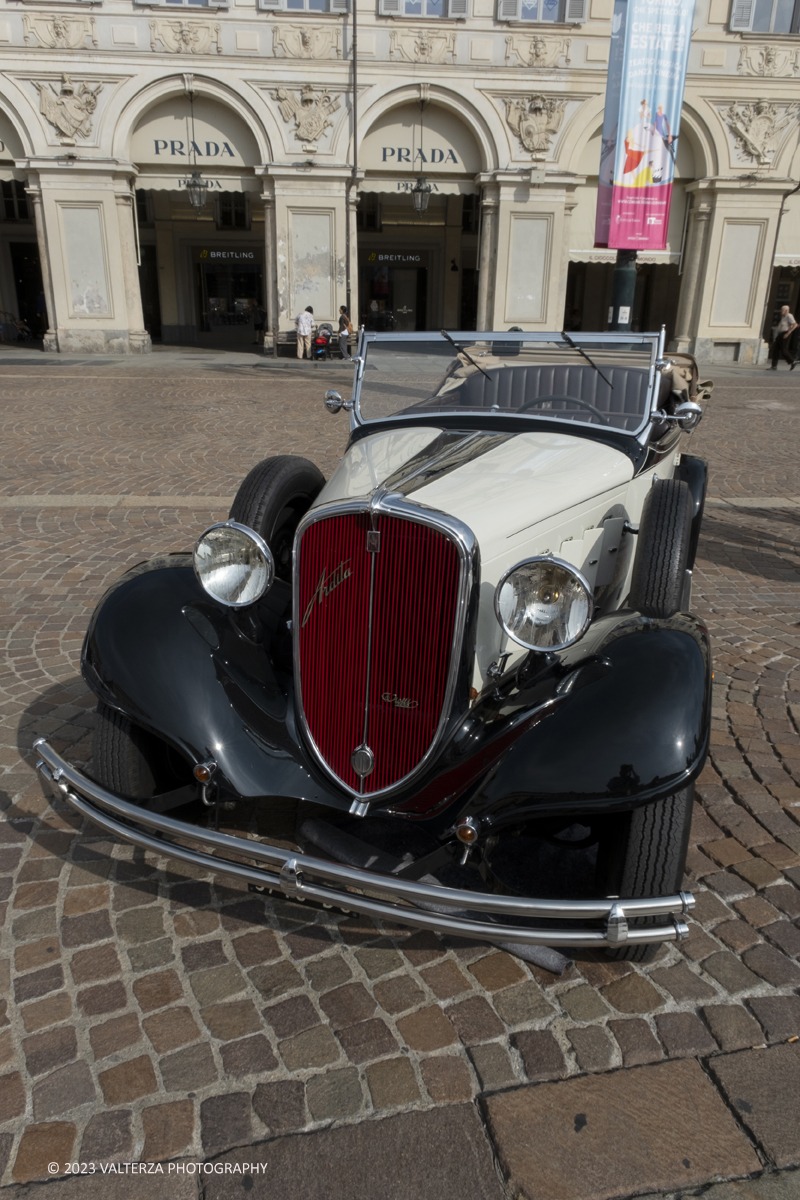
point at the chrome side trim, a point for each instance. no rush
(304, 877)
(394, 505)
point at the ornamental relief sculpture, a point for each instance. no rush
(425, 46)
(186, 37)
(310, 109)
(58, 32)
(535, 120)
(756, 127)
(306, 41)
(769, 62)
(537, 51)
(70, 110)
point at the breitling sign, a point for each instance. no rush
(443, 144)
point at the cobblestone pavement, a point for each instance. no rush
(154, 1014)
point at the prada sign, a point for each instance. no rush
(442, 145)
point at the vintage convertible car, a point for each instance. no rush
(467, 658)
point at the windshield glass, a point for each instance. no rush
(539, 376)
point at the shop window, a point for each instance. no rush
(765, 16)
(570, 12)
(15, 202)
(368, 213)
(144, 207)
(423, 8)
(470, 215)
(314, 6)
(232, 211)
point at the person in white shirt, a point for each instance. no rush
(304, 323)
(780, 339)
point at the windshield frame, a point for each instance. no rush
(586, 341)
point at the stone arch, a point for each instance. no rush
(20, 143)
(174, 85)
(477, 124)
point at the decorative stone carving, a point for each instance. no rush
(59, 32)
(425, 46)
(186, 37)
(537, 51)
(306, 41)
(310, 108)
(757, 127)
(768, 61)
(69, 110)
(535, 120)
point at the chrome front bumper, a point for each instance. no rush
(387, 897)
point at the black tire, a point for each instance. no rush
(662, 551)
(131, 762)
(648, 858)
(273, 498)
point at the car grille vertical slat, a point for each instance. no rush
(415, 599)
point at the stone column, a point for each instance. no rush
(270, 289)
(51, 336)
(487, 261)
(138, 337)
(693, 262)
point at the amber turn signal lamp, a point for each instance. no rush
(467, 831)
(204, 771)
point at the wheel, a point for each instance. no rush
(273, 498)
(130, 761)
(662, 551)
(646, 857)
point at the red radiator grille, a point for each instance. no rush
(414, 607)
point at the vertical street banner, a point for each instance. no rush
(644, 96)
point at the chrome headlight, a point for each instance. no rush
(234, 564)
(544, 604)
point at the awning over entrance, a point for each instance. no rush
(217, 183)
(401, 187)
(7, 173)
(610, 256)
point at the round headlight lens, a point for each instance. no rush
(544, 604)
(234, 564)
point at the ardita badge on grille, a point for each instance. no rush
(363, 761)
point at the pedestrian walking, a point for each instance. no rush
(781, 334)
(345, 332)
(259, 320)
(304, 323)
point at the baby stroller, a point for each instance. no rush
(322, 341)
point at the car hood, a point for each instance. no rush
(498, 484)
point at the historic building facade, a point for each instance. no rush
(107, 107)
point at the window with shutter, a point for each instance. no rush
(742, 14)
(340, 6)
(458, 8)
(390, 8)
(576, 11)
(509, 10)
(269, 5)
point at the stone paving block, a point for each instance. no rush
(422, 948)
(313, 940)
(541, 1055)
(728, 970)
(497, 970)
(225, 1122)
(347, 1005)
(217, 983)
(785, 935)
(334, 1094)
(399, 994)
(737, 935)
(86, 929)
(582, 1003)
(249, 1056)
(561, 1140)
(730, 886)
(698, 945)
(45, 1051)
(114, 1035)
(158, 990)
(254, 948)
(232, 1019)
(171, 1028)
(446, 981)
(773, 966)
(475, 1020)
(42, 1013)
(326, 973)
(141, 925)
(637, 1042)
(786, 897)
(102, 998)
(633, 994)
(726, 851)
(280, 1106)
(778, 1015)
(314, 1048)
(682, 983)
(392, 1082)
(762, 1087)
(188, 1069)
(276, 980)
(38, 983)
(101, 962)
(732, 1026)
(168, 1129)
(684, 1034)
(195, 924)
(12, 1096)
(367, 1040)
(522, 1004)
(428, 1029)
(708, 908)
(34, 924)
(593, 1047)
(758, 872)
(378, 960)
(129, 1081)
(63, 1091)
(442, 1154)
(108, 1137)
(492, 1065)
(757, 910)
(203, 954)
(291, 1016)
(447, 1079)
(36, 954)
(40, 1145)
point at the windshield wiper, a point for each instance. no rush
(565, 337)
(469, 358)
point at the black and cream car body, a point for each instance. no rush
(467, 658)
